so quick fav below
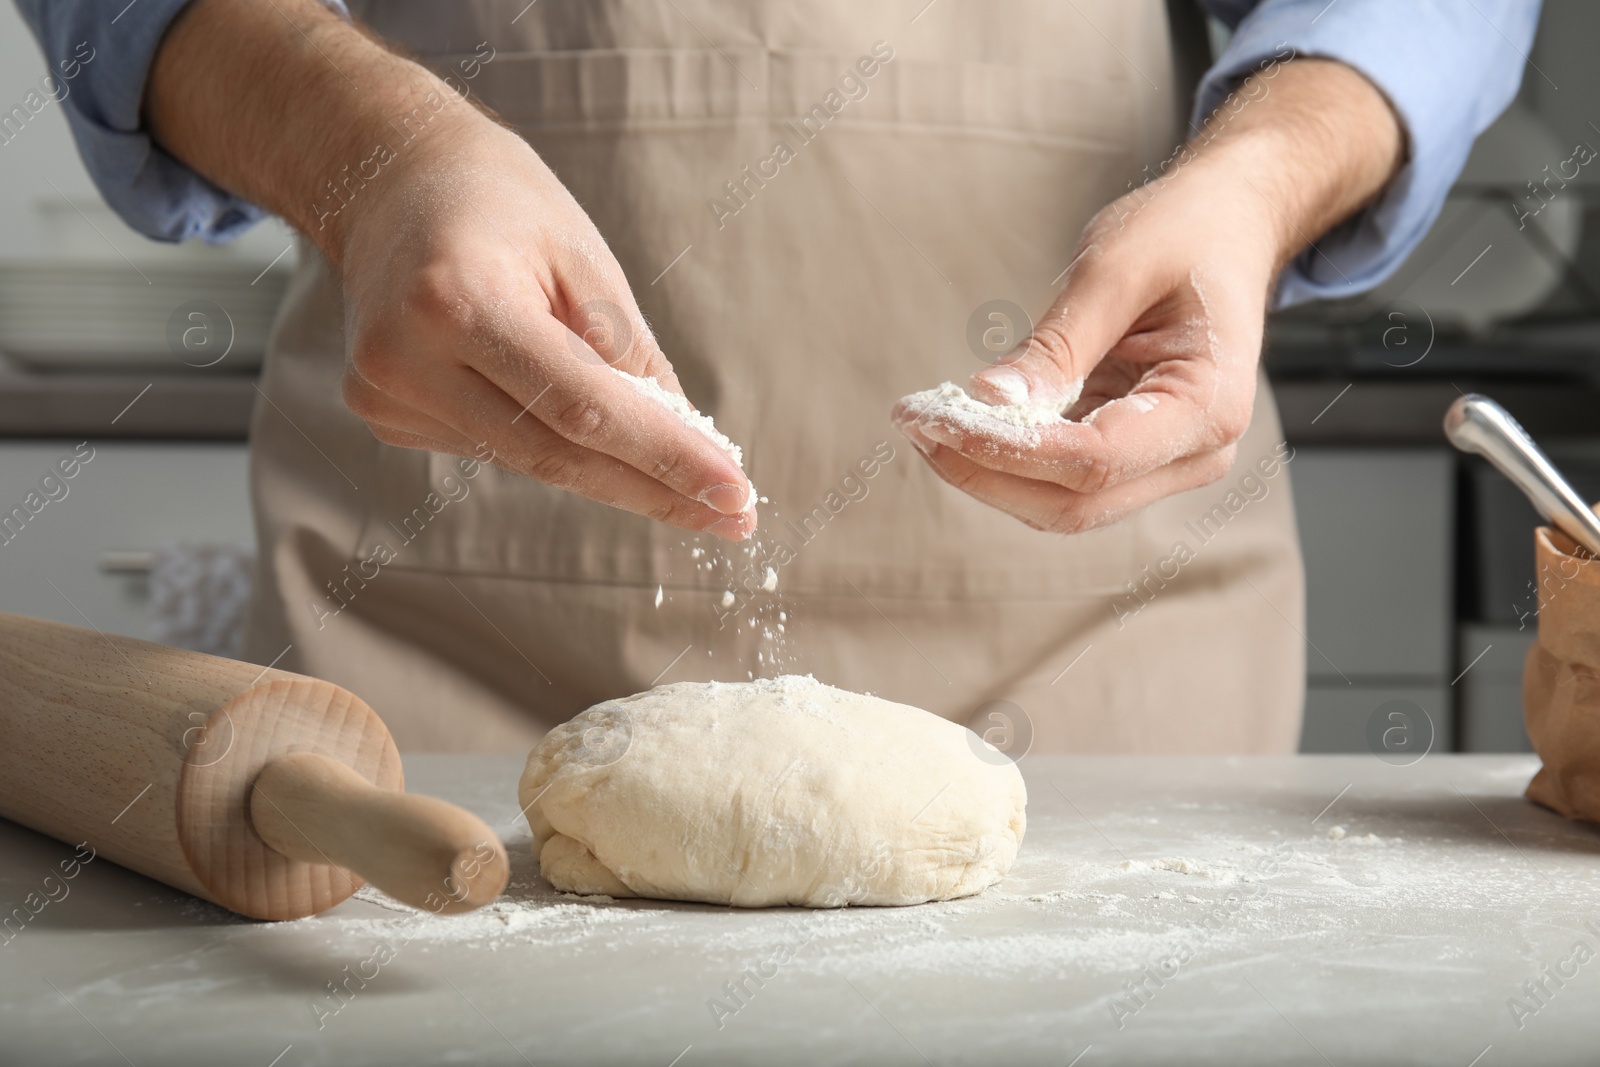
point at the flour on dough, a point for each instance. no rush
(778, 791)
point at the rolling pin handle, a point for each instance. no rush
(420, 850)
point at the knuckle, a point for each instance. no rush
(1051, 339)
(1070, 518)
(965, 476)
(1217, 465)
(354, 392)
(364, 401)
(670, 464)
(1042, 525)
(583, 419)
(1231, 424)
(435, 294)
(671, 512)
(552, 466)
(373, 365)
(1096, 473)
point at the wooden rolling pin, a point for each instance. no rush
(269, 793)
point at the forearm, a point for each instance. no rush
(1311, 141)
(289, 106)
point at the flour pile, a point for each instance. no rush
(1018, 424)
(680, 406)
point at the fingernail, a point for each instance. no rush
(726, 497)
(1008, 382)
(729, 529)
(939, 434)
(918, 439)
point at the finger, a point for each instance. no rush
(604, 410)
(1046, 506)
(1112, 377)
(1100, 304)
(1122, 440)
(606, 327)
(382, 412)
(390, 435)
(599, 307)
(480, 411)
(1196, 397)
(623, 340)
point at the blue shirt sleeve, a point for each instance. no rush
(99, 54)
(1449, 68)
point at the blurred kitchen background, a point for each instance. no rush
(1419, 561)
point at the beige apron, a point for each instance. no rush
(797, 300)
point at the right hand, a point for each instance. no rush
(482, 307)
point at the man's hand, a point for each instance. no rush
(1161, 316)
(482, 305)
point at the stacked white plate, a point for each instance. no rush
(117, 317)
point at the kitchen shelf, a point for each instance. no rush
(172, 407)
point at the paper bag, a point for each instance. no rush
(1561, 679)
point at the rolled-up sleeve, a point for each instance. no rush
(1448, 67)
(99, 54)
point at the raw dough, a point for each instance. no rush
(779, 791)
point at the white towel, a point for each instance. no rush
(198, 596)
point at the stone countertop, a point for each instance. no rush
(1199, 910)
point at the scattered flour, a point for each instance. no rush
(519, 917)
(1179, 865)
(1339, 833)
(1053, 897)
(1067, 911)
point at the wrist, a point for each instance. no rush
(291, 107)
(416, 117)
(1313, 144)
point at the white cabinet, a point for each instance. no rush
(1491, 689)
(1377, 528)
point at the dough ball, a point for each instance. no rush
(780, 791)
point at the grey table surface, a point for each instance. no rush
(1321, 910)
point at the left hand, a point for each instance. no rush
(1161, 317)
(1161, 322)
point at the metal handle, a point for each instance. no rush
(1477, 424)
(119, 561)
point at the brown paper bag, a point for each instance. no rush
(1561, 679)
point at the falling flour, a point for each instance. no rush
(758, 572)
